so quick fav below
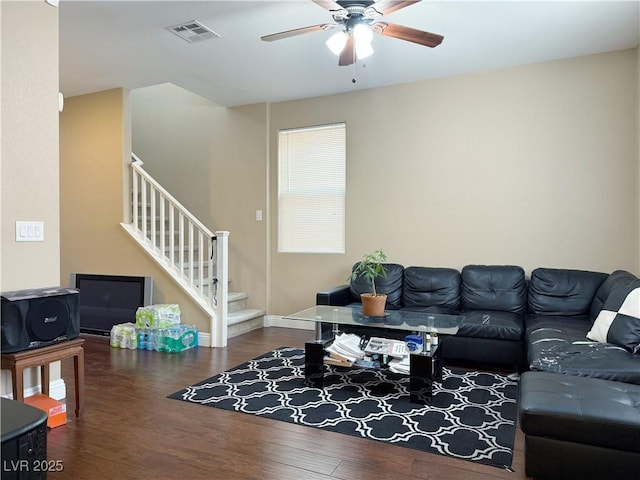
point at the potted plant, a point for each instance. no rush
(371, 267)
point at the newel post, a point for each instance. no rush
(221, 306)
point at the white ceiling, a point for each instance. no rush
(107, 44)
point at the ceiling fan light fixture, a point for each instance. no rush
(362, 36)
(362, 33)
(357, 21)
(363, 50)
(337, 41)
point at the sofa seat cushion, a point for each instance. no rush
(431, 287)
(560, 345)
(555, 291)
(492, 324)
(581, 410)
(575, 327)
(494, 287)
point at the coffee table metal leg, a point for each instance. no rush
(313, 364)
(437, 368)
(318, 332)
(421, 377)
(424, 369)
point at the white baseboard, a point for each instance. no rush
(57, 390)
(204, 339)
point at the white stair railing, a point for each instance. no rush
(182, 246)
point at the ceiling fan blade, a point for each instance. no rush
(298, 31)
(409, 34)
(328, 4)
(385, 7)
(348, 54)
(334, 8)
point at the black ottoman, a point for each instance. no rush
(579, 427)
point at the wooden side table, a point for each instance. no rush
(42, 357)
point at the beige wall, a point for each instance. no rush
(29, 167)
(94, 152)
(213, 160)
(29, 143)
(535, 166)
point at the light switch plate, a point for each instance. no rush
(29, 231)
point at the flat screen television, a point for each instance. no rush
(107, 300)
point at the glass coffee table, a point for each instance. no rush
(424, 367)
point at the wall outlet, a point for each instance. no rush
(258, 215)
(29, 231)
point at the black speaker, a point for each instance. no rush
(24, 442)
(39, 317)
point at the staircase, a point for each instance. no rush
(240, 318)
(195, 257)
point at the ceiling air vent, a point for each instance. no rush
(193, 31)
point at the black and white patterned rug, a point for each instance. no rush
(472, 415)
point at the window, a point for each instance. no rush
(311, 189)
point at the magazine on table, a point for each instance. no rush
(346, 347)
(400, 365)
(333, 360)
(386, 346)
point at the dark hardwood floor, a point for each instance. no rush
(131, 430)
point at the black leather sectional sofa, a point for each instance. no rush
(511, 321)
(576, 336)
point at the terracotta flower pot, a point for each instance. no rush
(373, 305)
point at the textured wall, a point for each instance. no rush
(29, 175)
(213, 160)
(95, 148)
(534, 166)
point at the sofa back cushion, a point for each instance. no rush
(431, 287)
(501, 288)
(391, 285)
(619, 278)
(554, 291)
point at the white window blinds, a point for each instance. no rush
(311, 189)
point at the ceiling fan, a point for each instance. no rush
(357, 20)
